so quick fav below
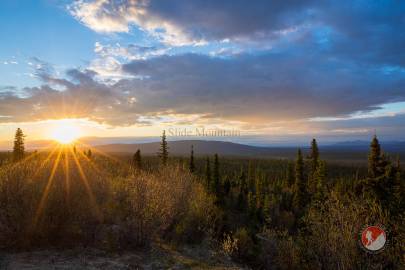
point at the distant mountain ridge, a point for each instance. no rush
(344, 150)
(183, 148)
(388, 146)
(348, 150)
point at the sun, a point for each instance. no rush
(65, 132)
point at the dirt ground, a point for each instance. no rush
(158, 257)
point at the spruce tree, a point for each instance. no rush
(216, 180)
(374, 159)
(18, 149)
(251, 200)
(243, 187)
(320, 178)
(290, 174)
(227, 186)
(314, 163)
(395, 188)
(243, 191)
(299, 199)
(399, 179)
(89, 153)
(251, 177)
(164, 150)
(267, 208)
(314, 155)
(192, 165)
(137, 160)
(208, 173)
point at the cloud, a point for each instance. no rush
(247, 88)
(129, 52)
(183, 22)
(363, 30)
(277, 64)
(83, 97)
(261, 88)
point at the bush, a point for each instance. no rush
(239, 245)
(279, 250)
(59, 201)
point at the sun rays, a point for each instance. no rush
(71, 165)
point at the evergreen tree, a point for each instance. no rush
(299, 200)
(314, 155)
(18, 149)
(192, 165)
(395, 188)
(290, 174)
(243, 191)
(314, 163)
(251, 176)
(251, 200)
(217, 177)
(260, 190)
(89, 153)
(208, 178)
(374, 159)
(243, 187)
(399, 180)
(137, 160)
(164, 150)
(227, 186)
(320, 178)
(267, 208)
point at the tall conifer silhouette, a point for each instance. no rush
(18, 149)
(137, 160)
(374, 158)
(164, 150)
(192, 165)
(299, 199)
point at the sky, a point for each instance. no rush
(275, 71)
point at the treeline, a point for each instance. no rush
(302, 209)
(290, 210)
(272, 214)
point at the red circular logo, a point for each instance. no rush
(373, 238)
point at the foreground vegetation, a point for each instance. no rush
(269, 214)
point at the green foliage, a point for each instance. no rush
(320, 179)
(314, 156)
(89, 153)
(137, 161)
(375, 159)
(290, 174)
(192, 165)
(18, 149)
(48, 203)
(263, 212)
(164, 150)
(216, 183)
(300, 193)
(208, 178)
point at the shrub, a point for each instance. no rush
(80, 201)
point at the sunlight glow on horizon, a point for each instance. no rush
(65, 132)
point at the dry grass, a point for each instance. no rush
(63, 198)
